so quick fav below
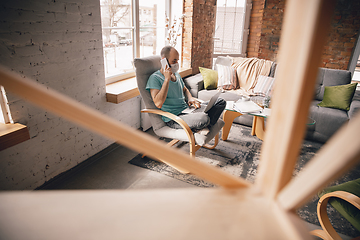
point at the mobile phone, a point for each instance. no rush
(164, 63)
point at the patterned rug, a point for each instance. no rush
(239, 156)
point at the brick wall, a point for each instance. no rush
(342, 38)
(265, 30)
(271, 29)
(199, 27)
(256, 19)
(59, 44)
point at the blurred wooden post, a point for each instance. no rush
(303, 35)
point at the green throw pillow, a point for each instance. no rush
(210, 78)
(339, 97)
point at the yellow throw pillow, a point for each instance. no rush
(210, 78)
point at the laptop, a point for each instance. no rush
(204, 108)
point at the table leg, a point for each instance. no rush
(258, 127)
(228, 118)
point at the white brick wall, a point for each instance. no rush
(57, 43)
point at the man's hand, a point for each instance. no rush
(194, 102)
(168, 73)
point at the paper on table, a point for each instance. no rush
(247, 106)
(229, 105)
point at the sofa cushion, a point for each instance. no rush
(354, 108)
(221, 60)
(330, 77)
(227, 78)
(264, 86)
(339, 97)
(227, 96)
(210, 78)
(194, 84)
(328, 121)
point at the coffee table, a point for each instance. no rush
(258, 125)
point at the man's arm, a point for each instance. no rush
(159, 96)
(191, 100)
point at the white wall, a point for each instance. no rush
(57, 43)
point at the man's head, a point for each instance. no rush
(171, 54)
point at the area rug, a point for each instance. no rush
(239, 156)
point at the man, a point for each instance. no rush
(168, 92)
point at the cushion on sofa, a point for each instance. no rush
(339, 97)
(227, 78)
(264, 86)
(210, 78)
(194, 84)
(354, 108)
(328, 121)
(330, 77)
(221, 60)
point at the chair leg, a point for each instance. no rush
(193, 148)
(320, 234)
(208, 146)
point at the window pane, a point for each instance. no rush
(177, 12)
(152, 26)
(229, 26)
(117, 36)
(118, 32)
(356, 75)
(2, 120)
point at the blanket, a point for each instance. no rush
(248, 70)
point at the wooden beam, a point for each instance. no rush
(96, 121)
(176, 214)
(338, 155)
(303, 36)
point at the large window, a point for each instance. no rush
(134, 28)
(232, 27)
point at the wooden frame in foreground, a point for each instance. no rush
(239, 210)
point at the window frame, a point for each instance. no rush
(355, 56)
(245, 33)
(135, 28)
(4, 106)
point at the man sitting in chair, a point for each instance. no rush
(169, 92)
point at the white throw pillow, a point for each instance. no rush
(264, 85)
(227, 78)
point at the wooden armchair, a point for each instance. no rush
(144, 68)
(345, 199)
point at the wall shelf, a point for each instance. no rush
(12, 134)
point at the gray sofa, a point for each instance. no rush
(328, 120)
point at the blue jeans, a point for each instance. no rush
(200, 120)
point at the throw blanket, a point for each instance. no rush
(248, 71)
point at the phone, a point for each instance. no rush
(164, 63)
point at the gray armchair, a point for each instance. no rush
(144, 68)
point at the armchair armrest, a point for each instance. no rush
(354, 108)
(177, 119)
(322, 213)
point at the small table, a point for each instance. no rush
(258, 125)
